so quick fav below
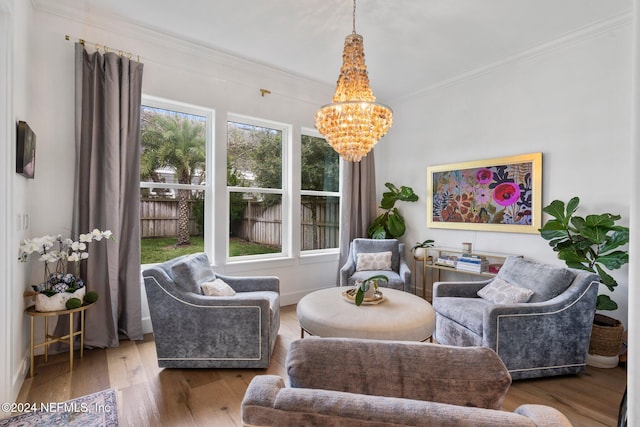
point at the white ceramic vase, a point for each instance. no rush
(58, 301)
(420, 253)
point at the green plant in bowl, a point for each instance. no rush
(366, 284)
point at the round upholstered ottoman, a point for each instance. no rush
(401, 316)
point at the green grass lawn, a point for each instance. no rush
(159, 249)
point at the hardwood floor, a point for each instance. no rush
(150, 396)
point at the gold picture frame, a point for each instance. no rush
(500, 194)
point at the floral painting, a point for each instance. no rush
(495, 195)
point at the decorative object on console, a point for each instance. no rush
(390, 224)
(502, 194)
(419, 251)
(25, 150)
(593, 244)
(59, 286)
(473, 263)
(353, 123)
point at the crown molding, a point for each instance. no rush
(168, 40)
(568, 39)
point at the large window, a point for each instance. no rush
(255, 177)
(320, 194)
(173, 174)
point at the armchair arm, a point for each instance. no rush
(543, 415)
(458, 289)
(251, 283)
(347, 271)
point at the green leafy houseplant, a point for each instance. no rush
(425, 244)
(591, 243)
(390, 224)
(366, 284)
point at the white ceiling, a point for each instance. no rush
(409, 44)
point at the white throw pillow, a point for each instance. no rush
(217, 288)
(499, 291)
(373, 261)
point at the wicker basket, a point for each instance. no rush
(606, 336)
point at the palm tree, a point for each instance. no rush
(176, 141)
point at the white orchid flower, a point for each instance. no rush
(49, 257)
(86, 237)
(73, 257)
(96, 234)
(78, 246)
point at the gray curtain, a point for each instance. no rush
(358, 202)
(108, 98)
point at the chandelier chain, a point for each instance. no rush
(354, 16)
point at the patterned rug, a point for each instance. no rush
(97, 409)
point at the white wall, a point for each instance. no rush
(633, 380)
(570, 100)
(15, 23)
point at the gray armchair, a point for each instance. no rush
(192, 330)
(399, 275)
(548, 335)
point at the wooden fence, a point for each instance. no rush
(159, 218)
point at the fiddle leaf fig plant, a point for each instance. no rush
(591, 243)
(366, 284)
(390, 224)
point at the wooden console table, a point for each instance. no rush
(50, 339)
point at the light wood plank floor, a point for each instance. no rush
(150, 396)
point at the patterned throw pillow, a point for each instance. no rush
(217, 288)
(375, 261)
(499, 291)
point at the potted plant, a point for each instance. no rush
(61, 289)
(368, 288)
(419, 249)
(592, 243)
(390, 224)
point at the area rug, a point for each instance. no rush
(97, 409)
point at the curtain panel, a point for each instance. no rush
(107, 195)
(358, 202)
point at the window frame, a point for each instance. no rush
(208, 186)
(314, 133)
(285, 190)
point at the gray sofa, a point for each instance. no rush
(548, 335)
(192, 330)
(355, 382)
(400, 274)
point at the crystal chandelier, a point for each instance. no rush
(353, 123)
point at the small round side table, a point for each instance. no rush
(50, 339)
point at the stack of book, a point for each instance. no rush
(472, 263)
(446, 261)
